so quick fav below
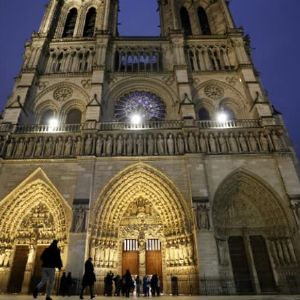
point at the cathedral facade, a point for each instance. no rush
(154, 154)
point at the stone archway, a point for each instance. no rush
(253, 233)
(31, 216)
(142, 205)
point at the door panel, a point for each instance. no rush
(130, 262)
(37, 271)
(154, 265)
(262, 264)
(18, 269)
(240, 267)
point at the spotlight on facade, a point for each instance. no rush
(53, 123)
(222, 117)
(136, 119)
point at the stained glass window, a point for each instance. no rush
(146, 104)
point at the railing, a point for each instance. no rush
(112, 126)
(229, 124)
(47, 128)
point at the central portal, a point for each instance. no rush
(142, 223)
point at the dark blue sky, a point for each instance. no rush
(272, 24)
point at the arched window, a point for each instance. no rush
(203, 114)
(90, 21)
(46, 116)
(203, 20)
(70, 23)
(73, 116)
(229, 112)
(185, 21)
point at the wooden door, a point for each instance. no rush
(18, 269)
(240, 266)
(130, 262)
(37, 269)
(262, 264)
(153, 263)
(154, 259)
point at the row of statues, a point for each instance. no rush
(283, 252)
(104, 254)
(146, 144)
(180, 255)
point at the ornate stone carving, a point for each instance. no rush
(202, 216)
(214, 92)
(62, 93)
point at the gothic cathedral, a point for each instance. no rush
(154, 154)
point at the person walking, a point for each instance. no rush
(50, 260)
(89, 278)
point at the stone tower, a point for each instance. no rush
(155, 154)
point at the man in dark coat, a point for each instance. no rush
(50, 260)
(89, 278)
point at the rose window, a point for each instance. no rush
(147, 106)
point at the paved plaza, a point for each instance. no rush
(258, 297)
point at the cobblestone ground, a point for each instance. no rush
(275, 297)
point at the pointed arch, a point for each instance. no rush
(70, 23)
(90, 22)
(203, 21)
(243, 200)
(33, 194)
(185, 21)
(142, 180)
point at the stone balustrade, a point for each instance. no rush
(149, 139)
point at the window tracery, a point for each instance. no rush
(147, 104)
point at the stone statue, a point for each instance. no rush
(79, 219)
(263, 142)
(202, 217)
(232, 143)
(39, 148)
(120, 145)
(170, 144)
(222, 252)
(10, 148)
(2, 141)
(88, 146)
(58, 147)
(276, 142)
(191, 143)
(29, 147)
(252, 143)
(203, 143)
(20, 148)
(180, 144)
(78, 145)
(140, 145)
(99, 146)
(48, 147)
(222, 143)
(108, 146)
(129, 145)
(150, 144)
(6, 258)
(243, 143)
(68, 146)
(160, 145)
(212, 143)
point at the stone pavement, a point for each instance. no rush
(258, 297)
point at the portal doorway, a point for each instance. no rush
(18, 269)
(241, 264)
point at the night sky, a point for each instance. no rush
(272, 24)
